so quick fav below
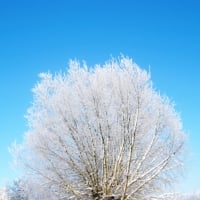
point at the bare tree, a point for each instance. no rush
(103, 133)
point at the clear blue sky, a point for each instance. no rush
(41, 35)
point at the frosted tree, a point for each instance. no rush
(191, 196)
(29, 189)
(17, 190)
(102, 133)
(3, 194)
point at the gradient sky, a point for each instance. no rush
(42, 35)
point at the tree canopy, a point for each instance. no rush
(102, 132)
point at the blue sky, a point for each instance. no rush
(40, 35)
